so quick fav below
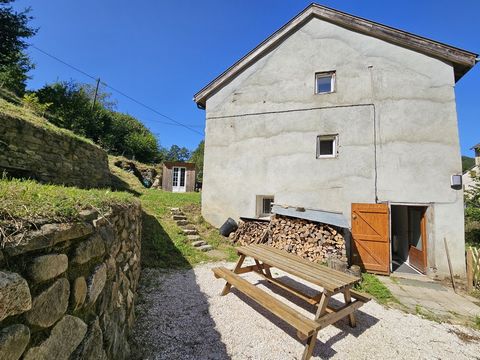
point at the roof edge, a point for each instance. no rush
(461, 60)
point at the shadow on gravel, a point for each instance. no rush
(172, 317)
(322, 350)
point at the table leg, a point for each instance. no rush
(322, 305)
(307, 353)
(322, 310)
(267, 271)
(259, 267)
(228, 286)
(348, 300)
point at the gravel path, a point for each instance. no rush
(181, 316)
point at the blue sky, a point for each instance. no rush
(162, 52)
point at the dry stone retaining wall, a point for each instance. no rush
(68, 290)
(42, 154)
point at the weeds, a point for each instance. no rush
(373, 286)
(426, 314)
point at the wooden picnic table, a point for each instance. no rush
(331, 281)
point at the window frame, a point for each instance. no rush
(260, 205)
(334, 138)
(324, 74)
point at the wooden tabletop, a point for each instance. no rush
(331, 280)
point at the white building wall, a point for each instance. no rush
(394, 111)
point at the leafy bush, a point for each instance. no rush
(197, 158)
(472, 213)
(31, 101)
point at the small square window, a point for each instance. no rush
(327, 146)
(264, 205)
(325, 82)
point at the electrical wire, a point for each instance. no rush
(172, 121)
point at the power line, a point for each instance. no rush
(173, 121)
(64, 63)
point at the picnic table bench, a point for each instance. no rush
(331, 281)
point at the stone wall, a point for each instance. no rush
(67, 290)
(40, 153)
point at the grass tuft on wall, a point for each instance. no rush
(27, 200)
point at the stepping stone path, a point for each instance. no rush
(189, 230)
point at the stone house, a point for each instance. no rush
(467, 177)
(352, 120)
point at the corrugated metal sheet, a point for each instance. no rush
(321, 216)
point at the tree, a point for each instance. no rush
(197, 158)
(71, 107)
(14, 63)
(472, 211)
(472, 198)
(128, 137)
(177, 153)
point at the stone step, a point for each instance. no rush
(179, 217)
(182, 222)
(205, 248)
(189, 226)
(193, 237)
(190, 232)
(199, 243)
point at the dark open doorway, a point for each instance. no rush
(408, 231)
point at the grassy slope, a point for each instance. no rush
(19, 112)
(164, 244)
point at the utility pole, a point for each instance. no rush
(96, 92)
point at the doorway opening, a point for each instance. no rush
(409, 242)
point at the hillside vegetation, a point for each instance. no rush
(467, 163)
(12, 110)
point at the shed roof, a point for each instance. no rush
(461, 60)
(187, 165)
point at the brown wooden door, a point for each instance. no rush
(417, 238)
(370, 233)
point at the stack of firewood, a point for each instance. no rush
(311, 240)
(251, 232)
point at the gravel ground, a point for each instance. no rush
(181, 316)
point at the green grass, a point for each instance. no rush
(22, 113)
(163, 244)
(123, 180)
(28, 200)
(371, 285)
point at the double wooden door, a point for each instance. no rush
(371, 237)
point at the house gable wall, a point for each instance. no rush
(393, 110)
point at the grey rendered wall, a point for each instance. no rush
(261, 130)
